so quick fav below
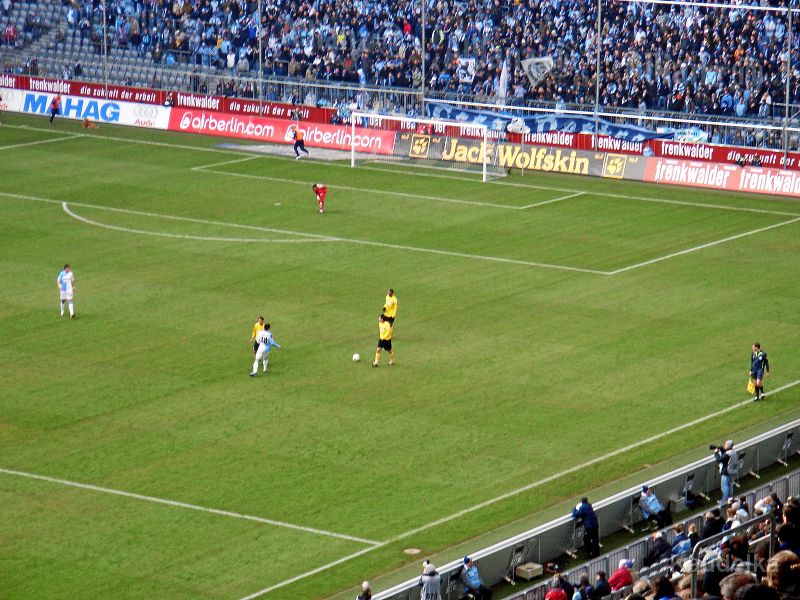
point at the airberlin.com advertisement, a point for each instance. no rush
(280, 131)
(664, 162)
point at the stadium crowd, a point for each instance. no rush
(667, 57)
(739, 567)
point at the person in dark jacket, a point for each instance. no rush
(584, 515)
(601, 585)
(659, 549)
(712, 525)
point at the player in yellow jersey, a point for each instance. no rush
(385, 331)
(390, 306)
(256, 328)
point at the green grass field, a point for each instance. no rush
(529, 340)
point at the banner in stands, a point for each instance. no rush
(540, 123)
(280, 131)
(96, 110)
(732, 178)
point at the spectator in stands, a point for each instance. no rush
(756, 592)
(472, 582)
(768, 504)
(730, 584)
(651, 508)
(732, 519)
(366, 592)
(601, 586)
(681, 544)
(783, 574)
(622, 576)
(583, 589)
(659, 549)
(791, 511)
(555, 593)
(788, 538)
(560, 582)
(584, 515)
(734, 555)
(662, 588)
(712, 524)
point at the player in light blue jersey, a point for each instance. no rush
(66, 289)
(265, 342)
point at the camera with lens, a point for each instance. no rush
(714, 447)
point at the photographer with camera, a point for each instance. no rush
(726, 458)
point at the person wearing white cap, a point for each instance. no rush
(366, 592)
(430, 582)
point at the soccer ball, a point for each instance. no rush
(356, 357)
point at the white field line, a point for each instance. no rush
(559, 199)
(703, 246)
(214, 511)
(189, 237)
(129, 140)
(51, 141)
(435, 175)
(329, 238)
(286, 582)
(208, 169)
(523, 489)
(141, 213)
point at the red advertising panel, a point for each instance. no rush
(280, 131)
(664, 148)
(757, 180)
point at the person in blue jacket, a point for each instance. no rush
(584, 514)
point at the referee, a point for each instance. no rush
(759, 367)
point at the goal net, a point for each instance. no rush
(427, 143)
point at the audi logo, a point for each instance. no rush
(145, 112)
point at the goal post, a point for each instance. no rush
(427, 143)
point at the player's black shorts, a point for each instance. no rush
(389, 319)
(758, 375)
(385, 344)
(255, 346)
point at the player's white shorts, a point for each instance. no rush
(66, 296)
(262, 352)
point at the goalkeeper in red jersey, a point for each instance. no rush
(321, 191)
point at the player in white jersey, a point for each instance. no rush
(66, 289)
(265, 342)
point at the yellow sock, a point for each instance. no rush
(377, 357)
(391, 356)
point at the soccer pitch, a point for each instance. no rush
(545, 324)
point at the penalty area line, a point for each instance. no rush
(176, 504)
(497, 259)
(50, 141)
(179, 236)
(703, 246)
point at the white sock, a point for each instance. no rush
(62, 308)
(266, 360)
(71, 309)
(255, 366)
